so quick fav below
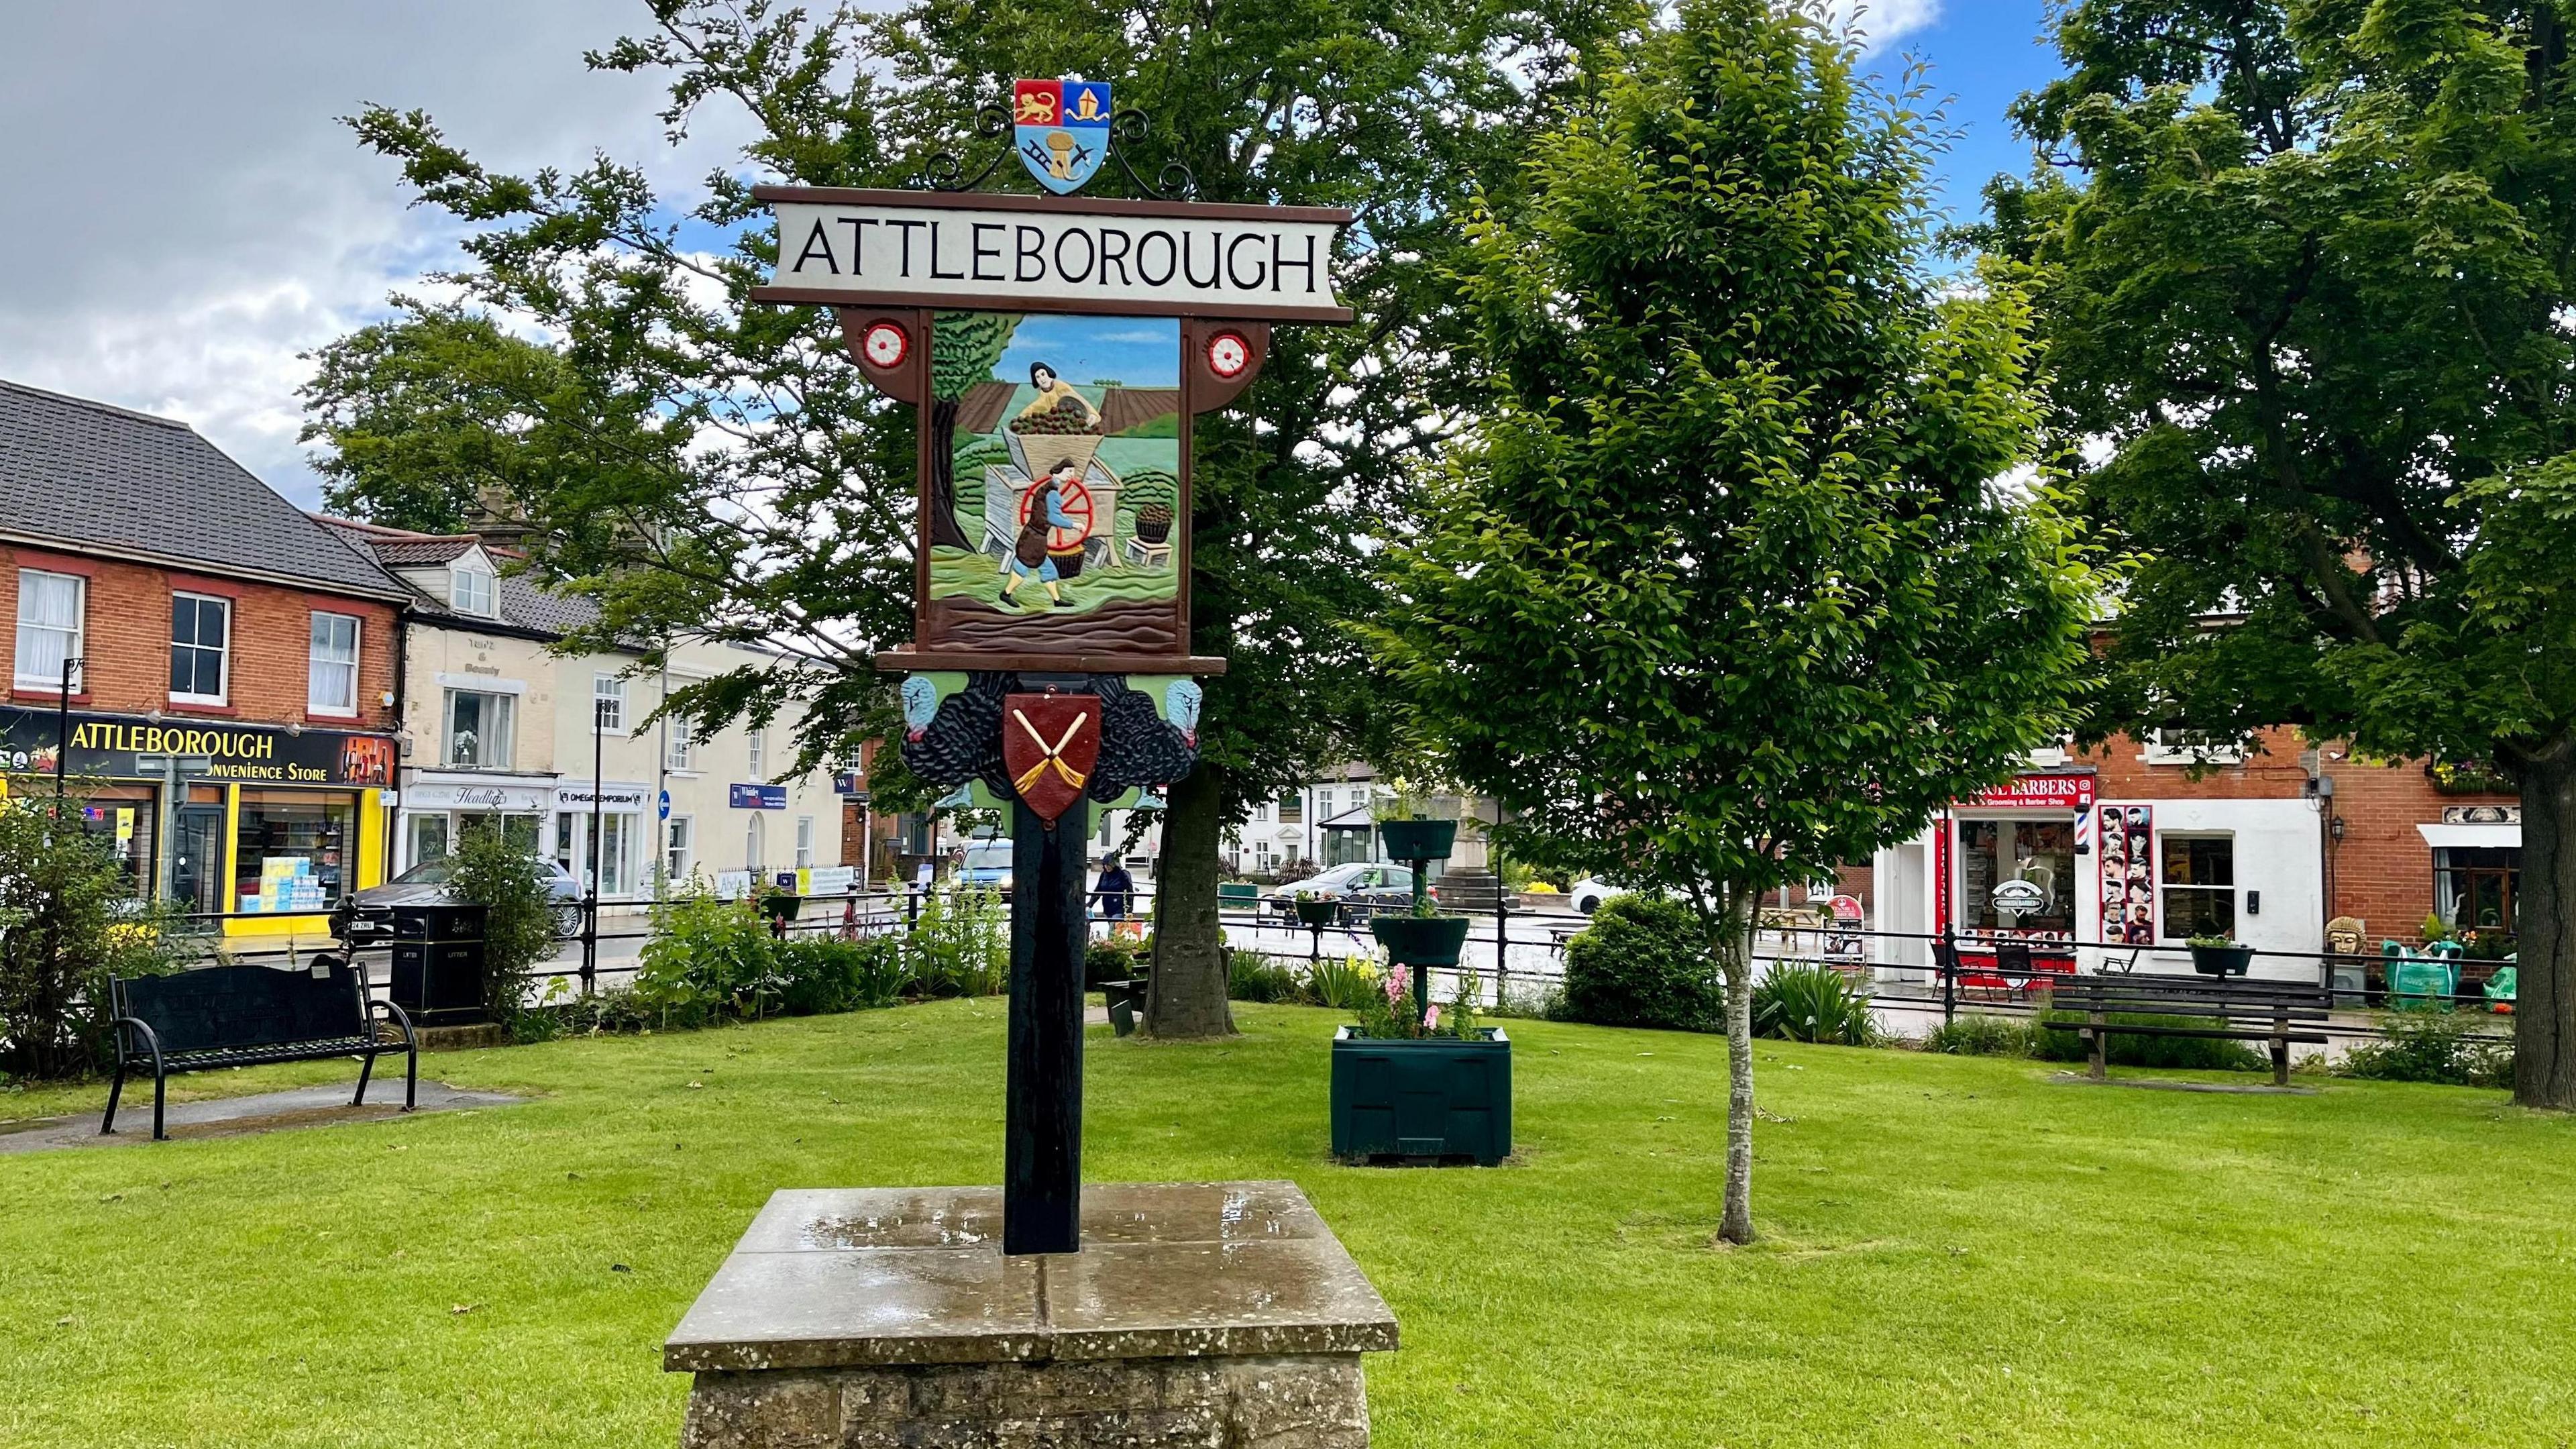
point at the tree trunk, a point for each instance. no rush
(943, 476)
(2544, 1020)
(1732, 941)
(1187, 995)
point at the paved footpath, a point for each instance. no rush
(235, 1116)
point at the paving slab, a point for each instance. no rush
(320, 1106)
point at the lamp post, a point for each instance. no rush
(63, 729)
(598, 787)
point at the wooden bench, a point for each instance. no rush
(2228, 1008)
(240, 1016)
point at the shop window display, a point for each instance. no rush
(293, 850)
(2127, 859)
(2035, 858)
(2199, 886)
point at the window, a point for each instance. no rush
(2200, 885)
(804, 842)
(331, 685)
(2191, 747)
(682, 752)
(2474, 887)
(676, 862)
(759, 742)
(469, 589)
(616, 854)
(751, 843)
(479, 730)
(428, 838)
(1323, 805)
(1261, 855)
(1261, 813)
(49, 627)
(1292, 809)
(2017, 875)
(293, 851)
(200, 638)
(608, 700)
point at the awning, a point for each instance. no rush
(2472, 837)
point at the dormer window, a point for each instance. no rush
(469, 588)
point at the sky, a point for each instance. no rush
(182, 215)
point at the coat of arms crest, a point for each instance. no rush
(1061, 130)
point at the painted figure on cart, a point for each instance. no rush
(1064, 444)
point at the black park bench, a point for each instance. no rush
(240, 1016)
(2230, 1008)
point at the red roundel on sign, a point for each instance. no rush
(884, 345)
(1076, 501)
(1228, 354)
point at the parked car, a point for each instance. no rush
(987, 867)
(367, 918)
(1589, 893)
(1363, 888)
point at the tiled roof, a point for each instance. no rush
(522, 603)
(85, 473)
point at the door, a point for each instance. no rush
(197, 865)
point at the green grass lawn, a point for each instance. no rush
(1956, 1251)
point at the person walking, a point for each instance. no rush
(1115, 892)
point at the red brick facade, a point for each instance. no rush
(126, 642)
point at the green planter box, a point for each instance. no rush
(1422, 940)
(1419, 839)
(1436, 1099)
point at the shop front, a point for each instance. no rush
(623, 812)
(2045, 874)
(439, 806)
(262, 826)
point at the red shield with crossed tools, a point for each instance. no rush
(1050, 742)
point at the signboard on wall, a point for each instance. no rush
(758, 797)
(2127, 862)
(105, 747)
(2056, 792)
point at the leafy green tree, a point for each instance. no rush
(2311, 305)
(1723, 588)
(963, 350)
(722, 469)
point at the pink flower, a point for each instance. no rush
(1399, 984)
(1431, 1018)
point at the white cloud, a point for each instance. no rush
(1884, 21)
(188, 214)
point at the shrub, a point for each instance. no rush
(820, 973)
(1299, 869)
(1251, 976)
(961, 945)
(2431, 1044)
(498, 874)
(2053, 1043)
(1348, 984)
(1643, 962)
(708, 957)
(1983, 1036)
(66, 925)
(1540, 1000)
(1810, 1001)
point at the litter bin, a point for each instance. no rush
(439, 963)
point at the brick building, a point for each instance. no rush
(231, 666)
(2141, 845)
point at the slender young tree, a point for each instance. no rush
(718, 468)
(2315, 294)
(1722, 588)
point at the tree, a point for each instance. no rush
(721, 469)
(2312, 305)
(1721, 589)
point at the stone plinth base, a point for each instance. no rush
(1199, 1314)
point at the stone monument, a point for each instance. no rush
(1056, 351)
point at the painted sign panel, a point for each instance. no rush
(758, 797)
(1062, 439)
(1165, 259)
(2058, 792)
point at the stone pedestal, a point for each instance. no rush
(1200, 1314)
